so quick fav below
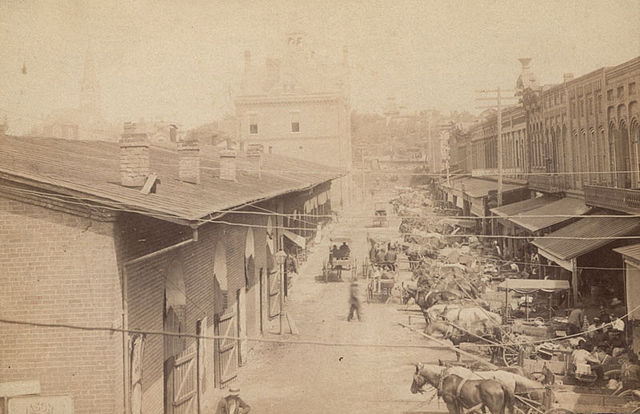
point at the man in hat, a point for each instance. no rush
(232, 403)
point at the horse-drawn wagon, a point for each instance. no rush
(381, 210)
(340, 259)
(381, 266)
(500, 390)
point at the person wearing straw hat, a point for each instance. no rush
(232, 403)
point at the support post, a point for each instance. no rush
(499, 149)
(574, 281)
(364, 185)
(281, 299)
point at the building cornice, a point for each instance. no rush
(284, 99)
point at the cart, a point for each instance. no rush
(528, 287)
(561, 399)
(380, 215)
(339, 260)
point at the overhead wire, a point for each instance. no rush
(364, 228)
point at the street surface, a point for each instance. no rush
(291, 378)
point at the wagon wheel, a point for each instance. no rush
(630, 395)
(510, 355)
(528, 410)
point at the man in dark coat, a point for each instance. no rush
(354, 302)
(233, 404)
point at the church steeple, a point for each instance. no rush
(89, 88)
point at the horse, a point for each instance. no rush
(463, 315)
(426, 374)
(461, 394)
(512, 377)
(437, 375)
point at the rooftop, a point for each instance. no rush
(90, 170)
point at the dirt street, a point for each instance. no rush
(289, 378)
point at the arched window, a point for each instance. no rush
(249, 259)
(221, 293)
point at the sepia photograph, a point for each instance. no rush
(313, 207)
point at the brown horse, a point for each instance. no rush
(462, 395)
(477, 394)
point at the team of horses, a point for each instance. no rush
(466, 391)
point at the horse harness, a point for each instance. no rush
(459, 388)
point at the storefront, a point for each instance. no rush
(586, 245)
(631, 256)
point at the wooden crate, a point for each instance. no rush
(536, 365)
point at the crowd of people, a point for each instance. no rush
(600, 347)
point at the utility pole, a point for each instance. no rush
(364, 182)
(498, 106)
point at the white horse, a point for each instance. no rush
(464, 315)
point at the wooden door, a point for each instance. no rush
(262, 296)
(227, 349)
(241, 307)
(184, 382)
(274, 294)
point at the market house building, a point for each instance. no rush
(100, 234)
(298, 105)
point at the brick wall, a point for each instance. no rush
(146, 280)
(60, 268)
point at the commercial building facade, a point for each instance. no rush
(121, 256)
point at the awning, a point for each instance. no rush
(522, 206)
(477, 187)
(632, 251)
(299, 240)
(533, 285)
(564, 207)
(477, 207)
(585, 235)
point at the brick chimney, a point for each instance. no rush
(134, 156)
(228, 165)
(189, 161)
(254, 155)
(567, 77)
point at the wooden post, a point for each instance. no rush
(506, 305)
(574, 281)
(198, 333)
(499, 149)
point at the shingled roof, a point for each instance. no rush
(92, 168)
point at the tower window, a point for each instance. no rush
(253, 124)
(295, 121)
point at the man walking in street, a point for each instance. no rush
(354, 302)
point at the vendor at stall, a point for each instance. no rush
(575, 321)
(582, 356)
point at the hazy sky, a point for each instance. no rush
(180, 60)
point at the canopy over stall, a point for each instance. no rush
(534, 285)
(529, 286)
